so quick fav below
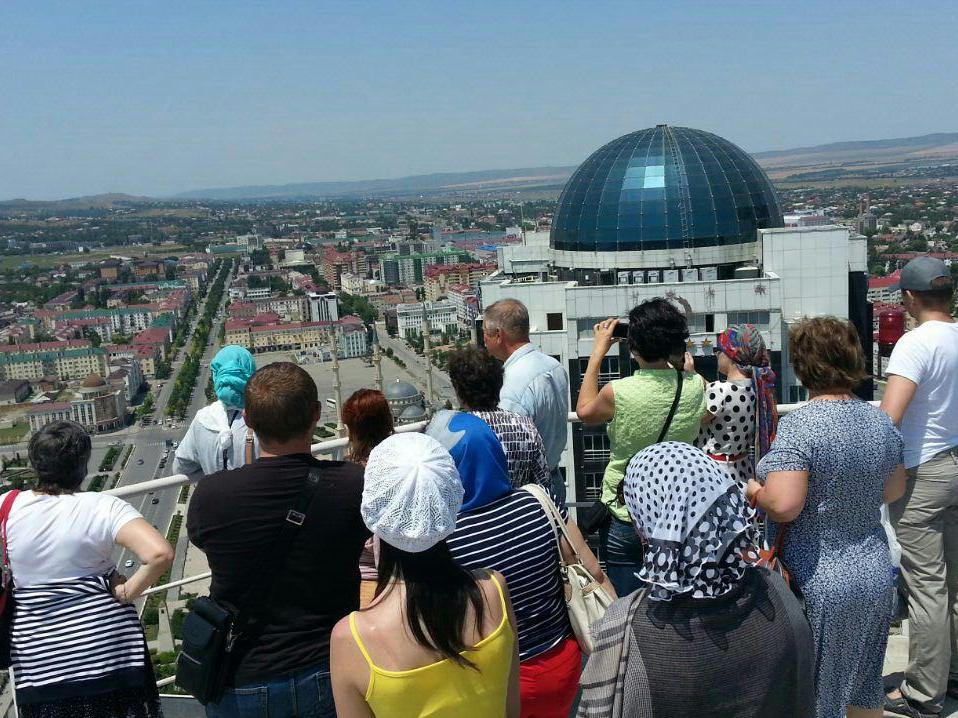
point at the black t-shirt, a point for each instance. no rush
(748, 653)
(235, 516)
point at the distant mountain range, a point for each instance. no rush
(113, 200)
(859, 159)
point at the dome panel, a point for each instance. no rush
(664, 188)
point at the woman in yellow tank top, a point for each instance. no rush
(437, 641)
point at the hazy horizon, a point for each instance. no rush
(158, 100)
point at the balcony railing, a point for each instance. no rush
(323, 447)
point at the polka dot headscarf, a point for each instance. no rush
(694, 519)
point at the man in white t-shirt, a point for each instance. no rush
(922, 398)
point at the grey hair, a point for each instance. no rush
(509, 316)
(59, 453)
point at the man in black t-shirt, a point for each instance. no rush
(235, 516)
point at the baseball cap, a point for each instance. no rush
(919, 273)
(412, 492)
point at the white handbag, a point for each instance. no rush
(585, 599)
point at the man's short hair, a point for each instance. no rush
(509, 316)
(939, 296)
(281, 401)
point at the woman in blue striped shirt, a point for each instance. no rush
(506, 530)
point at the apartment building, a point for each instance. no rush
(65, 363)
(410, 318)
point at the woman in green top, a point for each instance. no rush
(637, 409)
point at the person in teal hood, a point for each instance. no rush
(218, 438)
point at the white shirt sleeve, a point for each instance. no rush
(116, 513)
(909, 359)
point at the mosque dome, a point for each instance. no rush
(400, 390)
(664, 188)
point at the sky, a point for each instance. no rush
(161, 97)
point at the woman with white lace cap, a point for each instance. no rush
(438, 640)
(218, 438)
(710, 635)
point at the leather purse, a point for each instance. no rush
(585, 599)
(213, 628)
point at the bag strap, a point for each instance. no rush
(249, 447)
(251, 606)
(675, 405)
(555, 518)
(5, 509)
(231, 417)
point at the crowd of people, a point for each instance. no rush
(754, 570)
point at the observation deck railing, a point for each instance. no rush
(323, 447)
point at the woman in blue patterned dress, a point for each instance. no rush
(833, 463)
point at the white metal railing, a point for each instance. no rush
(319, 448)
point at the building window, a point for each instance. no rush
(592, 483)
(596, 447)
(608, 370)
(554, 321)
(759, 319)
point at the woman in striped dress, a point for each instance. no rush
(503, 529)
(76, 643)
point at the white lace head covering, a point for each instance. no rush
(412, 492)
(694, 518)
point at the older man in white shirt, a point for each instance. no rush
(535, 384)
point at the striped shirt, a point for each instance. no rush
(513, 535)
(74, 632)
(525, 452)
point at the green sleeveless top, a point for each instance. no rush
(642, 403)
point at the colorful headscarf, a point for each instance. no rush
(478, 455)
(231, 369)
(743, 344)
(695, 519)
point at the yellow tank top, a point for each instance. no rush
(444, 689)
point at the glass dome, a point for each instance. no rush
(664, 188)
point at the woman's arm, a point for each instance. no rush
(594, 406)
(347, 668)
(153, 551)
(895, 485)
(588, 558)
(783, 495)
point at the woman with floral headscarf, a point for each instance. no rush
(741, 410)
(711, 635)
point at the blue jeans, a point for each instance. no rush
(620, 549)
(558, 486)
(307, 694)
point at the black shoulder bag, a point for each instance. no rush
(598, 516)
(212, 629)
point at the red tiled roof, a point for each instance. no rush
(44, 346)
(881, 282)
(50, 406)
(156, 335)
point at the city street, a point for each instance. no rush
(416, 367)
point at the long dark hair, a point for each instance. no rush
(438, 595)
(367, 416)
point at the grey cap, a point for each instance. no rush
(919, 273)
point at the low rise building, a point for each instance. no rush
(14, 391)
(410, 318)
(95, 405)
(61, 360)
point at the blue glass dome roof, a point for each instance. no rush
(664, 188)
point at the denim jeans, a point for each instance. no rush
(558, 486)
(307, 694)
(620, 549)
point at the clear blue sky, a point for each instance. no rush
(166, 96)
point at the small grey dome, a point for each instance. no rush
(412, 412)
(399, 390)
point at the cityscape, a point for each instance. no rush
(113, 305)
